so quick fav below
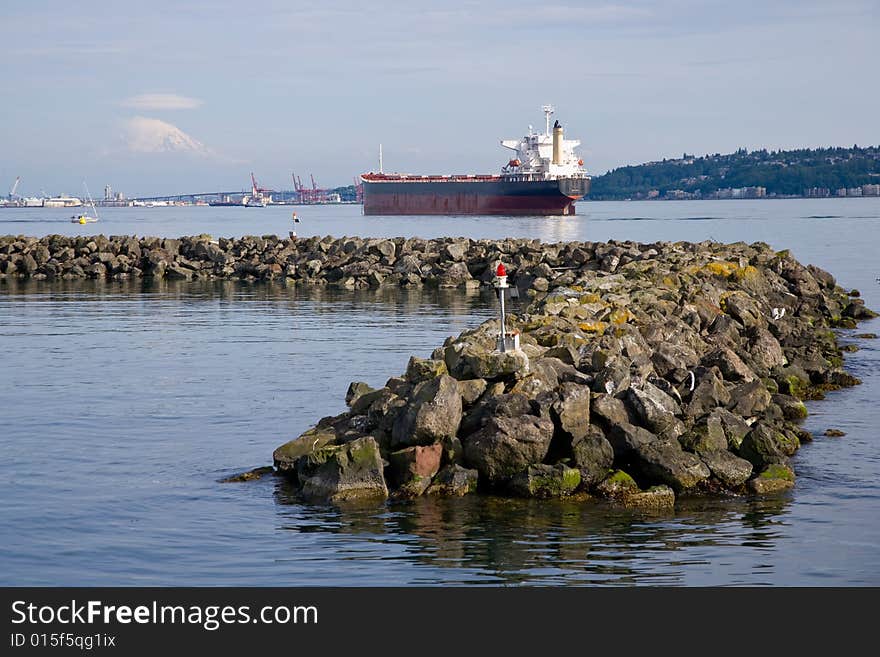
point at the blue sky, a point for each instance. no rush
(174, 97)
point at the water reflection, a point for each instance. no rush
(492, 540)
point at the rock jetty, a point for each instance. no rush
(646, 371)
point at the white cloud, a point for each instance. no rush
(145, 135)
(161, 102)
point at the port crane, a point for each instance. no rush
(257, 190)
(307, 195)
(14, 187)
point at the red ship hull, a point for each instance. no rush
(483, 195)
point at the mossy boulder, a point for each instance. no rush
(545, 481)
(655, 499)
(420, 369)
(338, 473)
(708, 435)
(792, 407)
(795, 382)
(482, 361)
(763, 446)
(286, 456)
(355, 390)
(617, 484)
(249, 475)
(772, 479)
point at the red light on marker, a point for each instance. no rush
(501, 270)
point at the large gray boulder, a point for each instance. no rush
(454, 481)
(765, 351)
(471, 390)
(749, 399)
(542, 378)
(571, 410)
(610, 410)
(511, 404)
(626, 438)
(735, 427)
(506, 446)
(708, 393)
(655, 409)
(432, 414)
(343, 472)
(593, 455)
(732, 366)
(729, 469)
(665, 462)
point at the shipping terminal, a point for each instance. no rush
(545, 177)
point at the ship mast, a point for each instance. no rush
(548, 112)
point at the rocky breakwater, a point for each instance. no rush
(646, 372)
(346, 262)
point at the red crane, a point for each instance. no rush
(256, 188)
(308, 196)
(305, 195)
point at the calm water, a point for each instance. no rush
(121, 405)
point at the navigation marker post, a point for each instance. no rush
(505, 342)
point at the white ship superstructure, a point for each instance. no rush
(546, 156)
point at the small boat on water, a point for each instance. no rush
(86, 218)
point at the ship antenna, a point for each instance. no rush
(380, 159)
(548, 111)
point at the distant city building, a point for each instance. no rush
(870, 190)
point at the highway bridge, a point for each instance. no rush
(283, 195)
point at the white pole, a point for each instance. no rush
(503, 332)
(380, 159)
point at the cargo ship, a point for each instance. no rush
(545, 177)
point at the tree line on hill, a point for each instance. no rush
(781, 173)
